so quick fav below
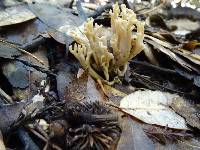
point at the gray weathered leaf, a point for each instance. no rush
(60, 21)
(133, 137)
(14, 15)
(8, 52)
(25, 33)
(16, 73)
(9, 114)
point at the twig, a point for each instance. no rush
(42, 132)
(21, 50)
(71, 4)
(153, 9)
(7, 98)
(193, 146)
(38, 135)
(142, 9)
(45, 140)
(55, 146)
(26, 140)
(156, 68)
(36, 67)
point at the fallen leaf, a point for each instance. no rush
(9, 114)
(60, 21)
(24, 34)
(77, 88)
(183, 26)
(52, 2)
(148, 51)
(63, 79)
(152, 107)
(8, 52)
(192, 144)
(114, 95)
(195, 58)
(196, 80)
(156, 21)
(14, 15)
(191, 45)
(171, 54)
(163, 43)
(22, 77)
(113, 91)
(2, 146)
(16, 74)
(93, 93)
(188, 111)
(193, 77)
(133, 137)
(184, 12)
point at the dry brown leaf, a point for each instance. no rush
(77, 88)
(191, 45)
(171, 54)
(85, 89)
(114, 95)
(188, 111)
(195, 58)
(163, 43)
(93, 93)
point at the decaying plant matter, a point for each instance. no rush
(93, 126)
(75, 125)
(106, 52)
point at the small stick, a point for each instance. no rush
(71, 4)
(7, 98)
(26, 140)
(38, 135)
(153, 9)
(21, 50)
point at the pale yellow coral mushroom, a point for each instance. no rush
(108, 52)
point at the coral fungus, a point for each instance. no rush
(105, 52)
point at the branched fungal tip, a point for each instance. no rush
(105, 52)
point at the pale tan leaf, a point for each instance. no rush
(152, 107)
(2, 146)
(195, 58)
